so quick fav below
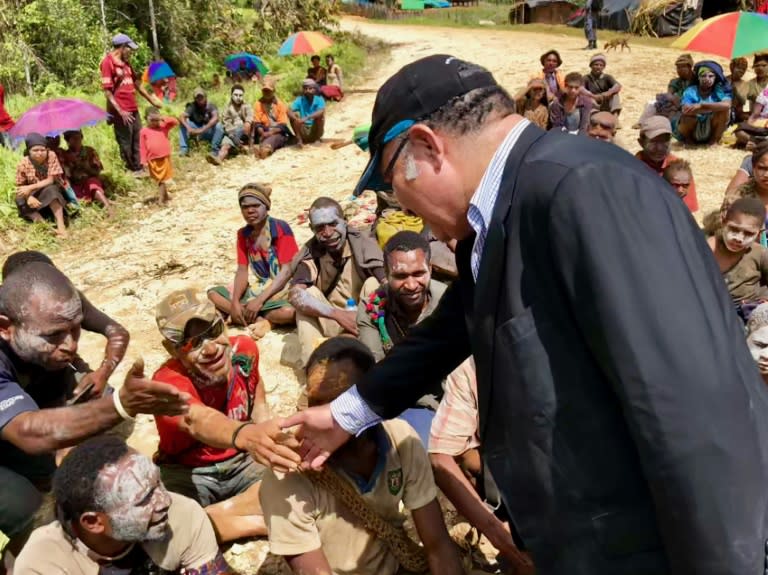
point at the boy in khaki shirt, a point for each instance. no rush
(314, 529)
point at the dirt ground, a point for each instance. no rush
(192, 241)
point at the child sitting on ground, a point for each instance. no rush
(679, 175)
(83, 167)
(317, 520)
(155, 148)
(743, 262)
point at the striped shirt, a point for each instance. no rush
(349, 410)
(456, 425)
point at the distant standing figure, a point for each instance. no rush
(156, 150)
(118, 80)
(590, 31)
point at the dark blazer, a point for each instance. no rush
(621, 413)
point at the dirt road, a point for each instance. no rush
(192, 241)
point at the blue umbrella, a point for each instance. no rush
(243, 61)
(157, 71)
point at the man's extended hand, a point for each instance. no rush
(319, 434)
(270, 446)
(141, 395)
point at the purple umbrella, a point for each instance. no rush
(53, 117)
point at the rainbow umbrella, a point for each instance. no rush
(54, 117)
(729, 35)
(304, 43)
(243, 61)
(157, 71)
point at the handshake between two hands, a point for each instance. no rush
(272, 443)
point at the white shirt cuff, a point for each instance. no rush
(352, 413)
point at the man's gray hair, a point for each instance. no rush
(469, 112)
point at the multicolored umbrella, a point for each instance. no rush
(729, 35)
(54, 117)
(243, 61)
(304, 43)
(157, 71)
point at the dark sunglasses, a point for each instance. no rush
(195, 342)
(398, 151)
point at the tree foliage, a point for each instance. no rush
(62, 41)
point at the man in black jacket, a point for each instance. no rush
(620, 412)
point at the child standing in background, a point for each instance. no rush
(155, 149)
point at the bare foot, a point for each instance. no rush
(62, 234)
(259, 328)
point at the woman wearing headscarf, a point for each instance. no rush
(38, 192)
(706, 106)
(551, 74)
(532, 103)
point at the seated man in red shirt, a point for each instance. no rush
(655, 139)
(202, 454)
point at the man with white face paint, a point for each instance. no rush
(40, 320)
(336, 267)
(605, 341)
(115, 517)
(237, 121)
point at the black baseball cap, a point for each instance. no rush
(414, 92)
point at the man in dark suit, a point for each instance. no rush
(621, 414)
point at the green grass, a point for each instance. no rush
(350, 50)
(470, 16)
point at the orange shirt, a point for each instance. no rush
(690, 199)
(275, 113)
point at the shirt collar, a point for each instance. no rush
(484, 198)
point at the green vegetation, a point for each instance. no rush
(61, 42)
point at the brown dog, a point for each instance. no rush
(615, 43)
